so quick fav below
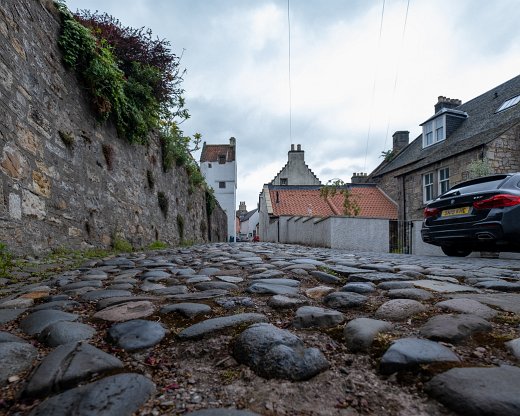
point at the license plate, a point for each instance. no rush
(455, 211)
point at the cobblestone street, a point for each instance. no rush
(266, 329)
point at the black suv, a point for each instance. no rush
(478, 215)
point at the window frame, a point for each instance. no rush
(443, 182)
(434, 131)
(284, 181)
(427, 186)
(508, 103)
(222, 185)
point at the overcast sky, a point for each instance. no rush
(352, 80)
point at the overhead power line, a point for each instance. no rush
(396, 73)
(374, 85)
(289, 59)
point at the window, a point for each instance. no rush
(209, 165)
(509, 103)
(283, 181)
(439, 130)
(428, 187)
(434, 131)
(428, 128)
(222, 185)
(444, 180)
(221, 159)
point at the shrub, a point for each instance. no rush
(162, 199)
(67, 138)
(133, 45)
(131, 77)
(211, 201)
(180, 226)
(150, 179)
(157, 245)
(6, 260)
(121, 245)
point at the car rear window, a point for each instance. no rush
(476, 186)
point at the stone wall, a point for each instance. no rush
(504, 153)
(66, 180)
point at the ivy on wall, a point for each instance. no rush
(134, 80)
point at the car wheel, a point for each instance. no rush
(455, 252)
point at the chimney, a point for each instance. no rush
(358, 177)
(401, 140)
(232, 141)
(297, 154)
(445, 102)
(242, 206)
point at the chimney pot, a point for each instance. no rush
(445, 102)
(292, 147)
(299, 147)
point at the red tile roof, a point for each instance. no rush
(308, 202)
(211, 152)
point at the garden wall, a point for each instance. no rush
(66, 180)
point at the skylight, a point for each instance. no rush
(509, 103)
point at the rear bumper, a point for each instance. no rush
(488, 236)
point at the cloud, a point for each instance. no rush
(236, 55)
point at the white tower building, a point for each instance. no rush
(219, 167)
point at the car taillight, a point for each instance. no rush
(431, 212)
(498, 201)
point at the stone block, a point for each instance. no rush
(15, 206)
(32, 205)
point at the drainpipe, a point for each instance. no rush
(278, 224)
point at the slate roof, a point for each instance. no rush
(307, 201)
(483, 125)
(247, 215)
(211, 152)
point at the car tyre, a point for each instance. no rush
(455, 252)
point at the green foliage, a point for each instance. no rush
(211, 201)
(119, 244)
(6, 260)
(67, 138)
(150, 179)
(132, 78)
(350, 205)
(388, 155)
(76, 41)
(176, 150)
(162, 199)
(478, 168)
(180, 226)
(157, 245)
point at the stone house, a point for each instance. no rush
(457, 136)
(247, 222)
(295, 192)
(219, 167)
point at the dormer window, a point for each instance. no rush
(221, 159)
(434, 131)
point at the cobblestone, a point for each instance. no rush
(444, 323)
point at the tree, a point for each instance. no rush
(334, 186)
(479, 167)
(388, 155)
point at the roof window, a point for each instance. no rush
(509, 103)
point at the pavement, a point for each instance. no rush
(263, 329)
